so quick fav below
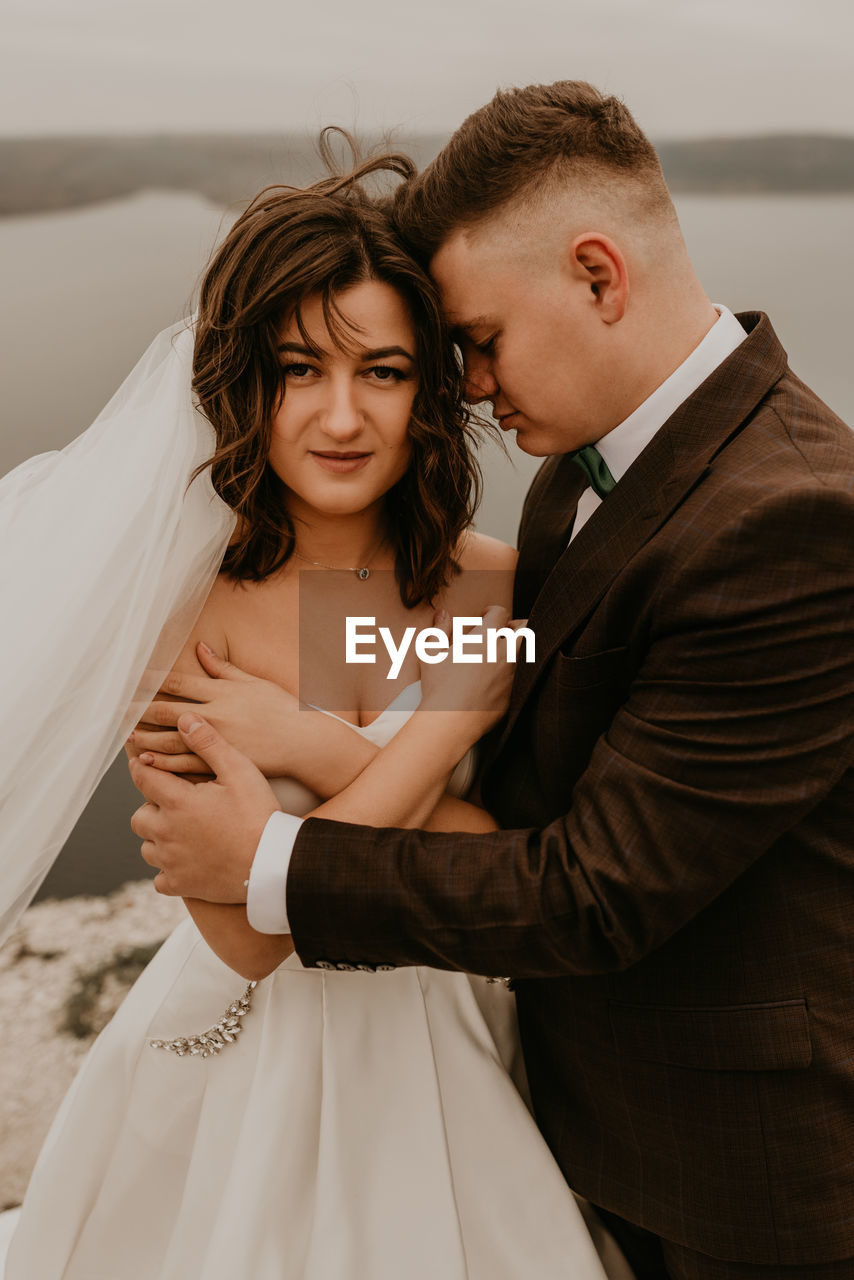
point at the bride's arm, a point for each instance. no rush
(224, 926)
(254, 955)
(402, 785)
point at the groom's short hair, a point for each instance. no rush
(518, 146)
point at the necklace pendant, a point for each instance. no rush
(363, 573)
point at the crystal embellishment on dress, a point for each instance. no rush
(212, 1041)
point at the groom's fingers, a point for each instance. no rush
(147, 823)
(183, 764)
(148, 849)
(220, 756)
(163, 885)
(166, 742)
(442, 620)
(162, 789)
(496, 615)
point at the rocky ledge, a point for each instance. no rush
(63, 973)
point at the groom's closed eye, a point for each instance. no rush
(466, 342)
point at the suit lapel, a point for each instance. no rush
(672, 464)
(559, 485)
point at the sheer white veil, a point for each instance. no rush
(106, 558)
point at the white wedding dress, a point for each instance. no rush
(363, 1126)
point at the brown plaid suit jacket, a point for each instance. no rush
(674, 889)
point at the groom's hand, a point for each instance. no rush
(203, 837)
(476, 689)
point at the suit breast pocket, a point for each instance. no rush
(578, 702)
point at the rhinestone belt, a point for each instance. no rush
(214, 1040)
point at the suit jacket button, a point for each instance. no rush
(385, 968)
(324, 964)
(345, 967)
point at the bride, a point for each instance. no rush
(242, 1116)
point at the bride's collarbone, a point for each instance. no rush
(308, 657)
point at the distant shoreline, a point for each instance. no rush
(52, 174)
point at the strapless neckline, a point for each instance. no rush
(297, 799)
(402, 705)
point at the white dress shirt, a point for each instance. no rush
(627, 441)
(266, 894)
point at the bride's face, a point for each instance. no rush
(340, 437)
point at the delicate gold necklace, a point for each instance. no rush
(361, 571)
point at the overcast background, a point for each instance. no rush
(686, 67)
(85, 288)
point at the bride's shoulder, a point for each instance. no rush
(479, 551)
(485, 578)
(222, 601)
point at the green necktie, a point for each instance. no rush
(595, 468)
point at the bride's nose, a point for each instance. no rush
(343, 418)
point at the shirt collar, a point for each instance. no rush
(621, 446)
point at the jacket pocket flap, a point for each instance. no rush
(748, 1037)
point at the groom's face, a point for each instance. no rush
(528, 332)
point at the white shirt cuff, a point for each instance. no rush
(266, 906)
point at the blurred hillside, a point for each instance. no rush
(802, 163)
(48, 174)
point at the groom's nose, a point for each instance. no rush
(480, 381)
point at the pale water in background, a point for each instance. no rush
(85, 291)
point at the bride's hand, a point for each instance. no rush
(476, 693)
(256, 716)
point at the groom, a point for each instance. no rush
(673, 889)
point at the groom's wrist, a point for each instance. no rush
(266, 906)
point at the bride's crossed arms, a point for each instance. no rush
(240, 670)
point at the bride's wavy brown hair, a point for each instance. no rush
(289, 244)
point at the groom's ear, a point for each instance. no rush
(596, 262)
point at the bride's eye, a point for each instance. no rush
(298, 372)
(387, 373)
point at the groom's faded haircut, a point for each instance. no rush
(521, 145)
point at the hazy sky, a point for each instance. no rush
(685, 67)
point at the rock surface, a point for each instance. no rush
(63, 973)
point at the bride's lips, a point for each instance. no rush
(339, 462)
